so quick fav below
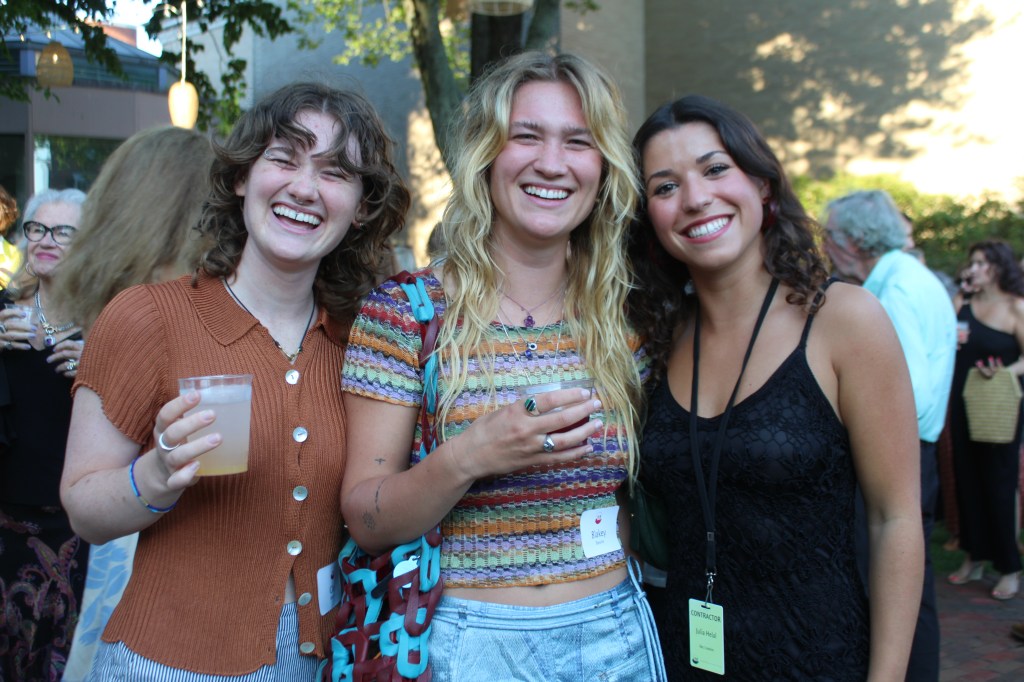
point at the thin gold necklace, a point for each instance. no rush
(291, 356)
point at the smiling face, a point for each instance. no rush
(299, 204)
(705, 210)
(44, 255)
(545, 180)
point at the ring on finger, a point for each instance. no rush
(8, 345)
(549, 444)
(164, 446)
(531, 406)
(3, 328)
(72, 365)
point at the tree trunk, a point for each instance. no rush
(491, 39)
(442, 92)
(546, 27)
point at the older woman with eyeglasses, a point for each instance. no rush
(42, 561)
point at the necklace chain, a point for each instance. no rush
(291, 356)
(530, 347)
(528, 321)
(51, 330)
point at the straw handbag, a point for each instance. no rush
(993, 406)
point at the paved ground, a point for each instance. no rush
(976, 642)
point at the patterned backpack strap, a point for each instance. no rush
(423, 311)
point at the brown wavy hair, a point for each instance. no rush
(657, 303)
(348, 272)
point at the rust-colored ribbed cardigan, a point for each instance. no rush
(209, 579)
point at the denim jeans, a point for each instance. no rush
(605, 637)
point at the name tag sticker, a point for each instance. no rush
(328, 587)
(599, 530)
(707, 636)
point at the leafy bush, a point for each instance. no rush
(944, 227)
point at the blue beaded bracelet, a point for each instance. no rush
(142, 500)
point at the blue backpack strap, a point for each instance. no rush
(423, 311)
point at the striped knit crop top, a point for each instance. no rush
(518, 529)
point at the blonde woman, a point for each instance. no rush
(532, 291)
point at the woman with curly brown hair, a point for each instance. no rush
(303, 198)
(987, 473)
(769, 405)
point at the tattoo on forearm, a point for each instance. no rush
(376, 497)
(380, 460)
(369, 521)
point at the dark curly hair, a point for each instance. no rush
(657, 303)
(1000, 255)
(356, 265)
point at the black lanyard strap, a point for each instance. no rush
(707, 491)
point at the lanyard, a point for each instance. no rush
(707, 491)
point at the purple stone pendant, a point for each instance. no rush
(49, 341)
(528, 322)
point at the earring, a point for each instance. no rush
(771, 210)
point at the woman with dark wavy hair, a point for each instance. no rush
(987, 473)
(767, 407)
(233, 574)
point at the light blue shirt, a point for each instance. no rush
(925, 322)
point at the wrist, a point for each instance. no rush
(146, 495)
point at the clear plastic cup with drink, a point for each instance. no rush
(587, 384)
(230, 397)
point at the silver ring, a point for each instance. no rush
(164, 446)
(549, 445)
(3, 328)
(72, 365)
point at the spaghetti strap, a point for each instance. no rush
(810, 318)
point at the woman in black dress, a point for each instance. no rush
(757, 461)
(42, 561)
(987, 473)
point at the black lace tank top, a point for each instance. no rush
(794, 606)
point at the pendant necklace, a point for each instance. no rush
(528, 321)
(291, 356)
(531, 347)
(51, 332)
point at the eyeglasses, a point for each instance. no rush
(35, 232)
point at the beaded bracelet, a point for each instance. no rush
(142, 500)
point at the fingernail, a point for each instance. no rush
(597, 404)
(207, 415)
(585, 392)
(214, 439)
(597, 424)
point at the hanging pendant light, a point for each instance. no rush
(499, 8)
(182, 98)
(54, 68)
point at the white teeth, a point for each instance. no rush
(544, 193)
(295, 215)
(707, 228)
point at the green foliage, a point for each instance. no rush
(372, 31)
(218, 107)
(944, 227)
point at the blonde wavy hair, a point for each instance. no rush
(598, 268)
(139, 220)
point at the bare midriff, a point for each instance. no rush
(541, 595)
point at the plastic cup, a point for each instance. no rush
(588, 384)
(963, 329)
(230, 397)
(30, 314)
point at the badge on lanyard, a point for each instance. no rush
(707, 636)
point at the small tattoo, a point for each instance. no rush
(369, 521)
(376, 497)
(380, 460)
